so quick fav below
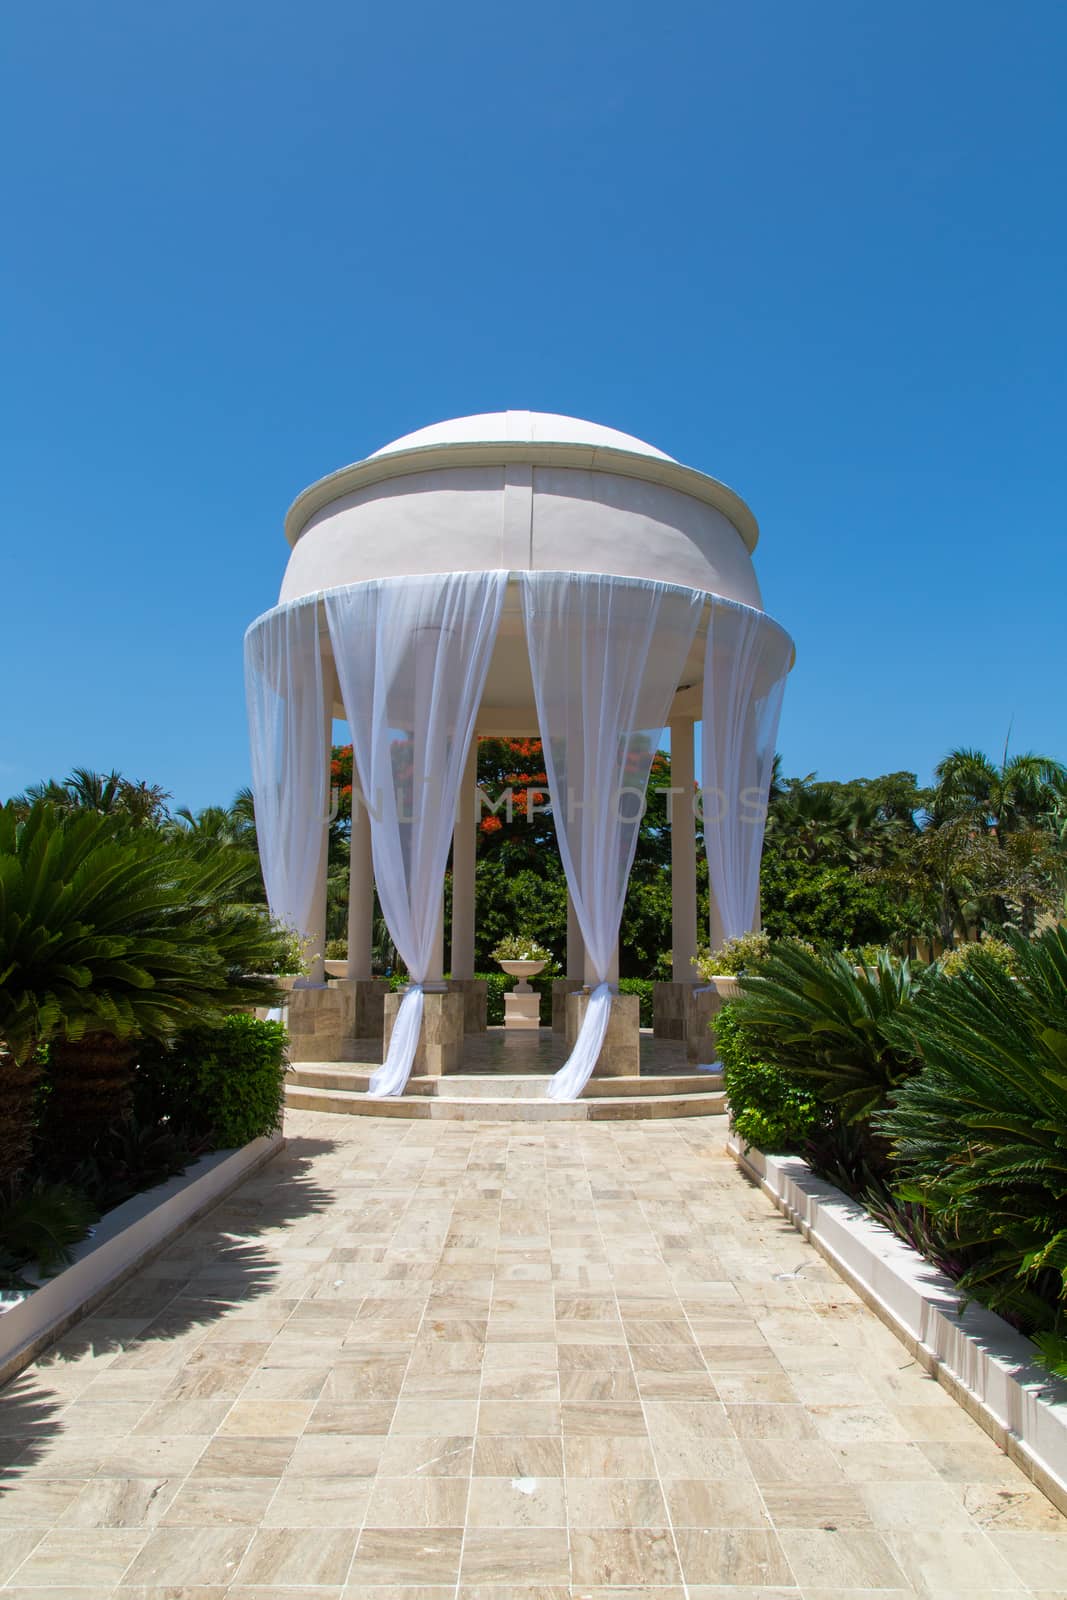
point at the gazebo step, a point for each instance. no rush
(302, 1097)
(501, 1086)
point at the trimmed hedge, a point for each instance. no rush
(767, 1106)
(498, 984)
(226, 1081)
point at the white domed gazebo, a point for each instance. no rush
(516, 574)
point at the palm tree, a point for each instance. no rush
(108, 793)
(110, 934)
(1024, 791)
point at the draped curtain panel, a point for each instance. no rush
(745, 667)
(606, 656)
(287, 731)
(412, 656)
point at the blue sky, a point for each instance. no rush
(817, 251)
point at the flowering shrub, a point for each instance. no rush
(520, 947)
(733, 956)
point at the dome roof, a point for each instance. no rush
(510, 427)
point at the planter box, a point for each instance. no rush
(985, 1365)
(122, 1241)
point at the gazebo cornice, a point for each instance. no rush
(593, 458)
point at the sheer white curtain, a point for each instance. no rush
(747, 661)
(287, 732)
(412, 655)
(606, 656)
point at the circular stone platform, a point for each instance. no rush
(504, 1078)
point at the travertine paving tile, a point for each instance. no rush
(448, 1361)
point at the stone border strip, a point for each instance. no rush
(123, 1240)
(979, 1358)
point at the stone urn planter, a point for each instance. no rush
(703, 1002)
(522, 1005)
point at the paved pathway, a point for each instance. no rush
(441, 1361)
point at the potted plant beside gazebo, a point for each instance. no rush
(523, 958)
(719, 969)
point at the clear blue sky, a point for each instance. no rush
(816, 250)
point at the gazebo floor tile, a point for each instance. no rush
(450, 1360)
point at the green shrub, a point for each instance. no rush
(519, 947)
(767, 1107)
(825, 1025)
(733, 956)
(228, 1081)
(336, 950)
(959, 959)
(642, 987)
(979, 1136)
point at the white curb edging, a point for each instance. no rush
(122, 1241)
(986, 1366)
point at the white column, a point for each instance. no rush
(575, 943)
(683, 854)
(437, 960)
(464, 840)
(360, 893)
(317, 920)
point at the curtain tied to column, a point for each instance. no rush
(412, 656)
(606, 656)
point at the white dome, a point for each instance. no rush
(529, 427)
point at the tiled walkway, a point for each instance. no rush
(441, 1361)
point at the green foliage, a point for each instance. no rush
(827, 902)
(121, 930)
(642, 988)
(293, 954)
(810, 1014)
(41, 1225)
(337, 950)
(734, 956)
(767, 1106)
(959, 959)
(980, 1134)
(520, 947)
(226, 1080)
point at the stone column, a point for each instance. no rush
(683, 853)
(316, 930)
(436, 974)
(575, 942)
(463, 849)
(562, 987)
(360, 894)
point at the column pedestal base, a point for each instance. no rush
(475, 992)
(620, 1054)
(670, 1002)
(368, 1004)
(561, 988)
(440, 1047)
(321, 1017)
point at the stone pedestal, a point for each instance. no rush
(440, 1047)
(320, 1019)
(561, 988)
(704, 1002)
(620, 1054)
(522, 1008)
(368, 1019)
(475, 992)
(670, 1002)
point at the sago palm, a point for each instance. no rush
(818, 1019)
(980, 1133)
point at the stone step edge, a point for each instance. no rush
(634, 1088)
(604, 1108)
